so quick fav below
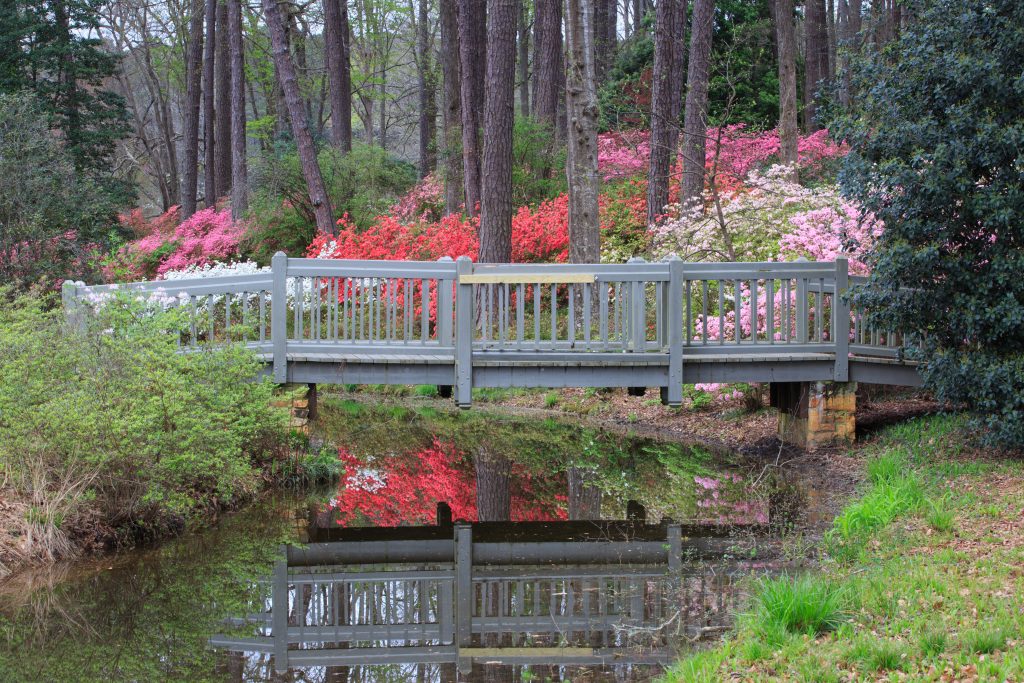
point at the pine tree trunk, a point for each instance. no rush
(223, 102)
(816, 59)
(584, 497)
(193, 96)
(695, 117)
(454, 189)
(499, 116)
(473, 56)
(210, 189)
(339, 72)
(523, 59)
(547, 60)
(239, 170)
(787, 82)
(581, 108)
(319, 200)
(666, 89)
(493, 486)
(426, 84)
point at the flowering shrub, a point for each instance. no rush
(208, 236)
(773, 218)
(424, 202)
(731, 154)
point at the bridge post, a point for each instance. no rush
(463, 585)
(279, 316)
(279, 613)
(445, 311)
(463, 334)
(673, 393)
(813, 414)
(72, 306)
(841, 318)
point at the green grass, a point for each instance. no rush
(426, 390)
(926, 570)
(939, 516)
(551, 399)
(806, 604)
(984, 641)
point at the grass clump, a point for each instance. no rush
(804, 604)
(939, 516)
(873, 654)
(984, 641)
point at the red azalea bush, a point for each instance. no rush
(405, 489)
(207, 236)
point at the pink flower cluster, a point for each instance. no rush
(424, 202)
(825, 233)
(208, 236)
(727, 501)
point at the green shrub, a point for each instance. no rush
(935, 155)
(113, 420)
(802, 605)
(364, 183)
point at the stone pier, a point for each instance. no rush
(813, 414)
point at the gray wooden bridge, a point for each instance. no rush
(553, 593)
(458, 324)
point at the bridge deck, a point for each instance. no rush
(526, 325)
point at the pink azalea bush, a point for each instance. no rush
(731, 154)
(208, 236)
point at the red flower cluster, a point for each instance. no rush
(405, 489)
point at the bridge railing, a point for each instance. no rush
(461, 313)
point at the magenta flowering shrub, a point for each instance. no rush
(208, 236)
(732, 153)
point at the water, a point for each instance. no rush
(552, 599)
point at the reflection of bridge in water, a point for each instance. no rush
(438, 600)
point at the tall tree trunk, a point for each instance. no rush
(339, 72)
(493, 490)
(787, 82)
(696, 113)
(605, 18)
(547, 60)
(193, 95)
(666, 89)
(427, 88)
(454, 189)
(584, 497)
(300, 128)
(239, 169)
(473, 56)
(581, 108)
(816, 58)
(523, 58)
(833, 38)
(223, 102)
(499, 116)
(210, 189)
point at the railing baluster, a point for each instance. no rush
(587, 314)
(602, 294)
(520, 314)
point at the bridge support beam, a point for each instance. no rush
(813, 414)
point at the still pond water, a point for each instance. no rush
(550, 598)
